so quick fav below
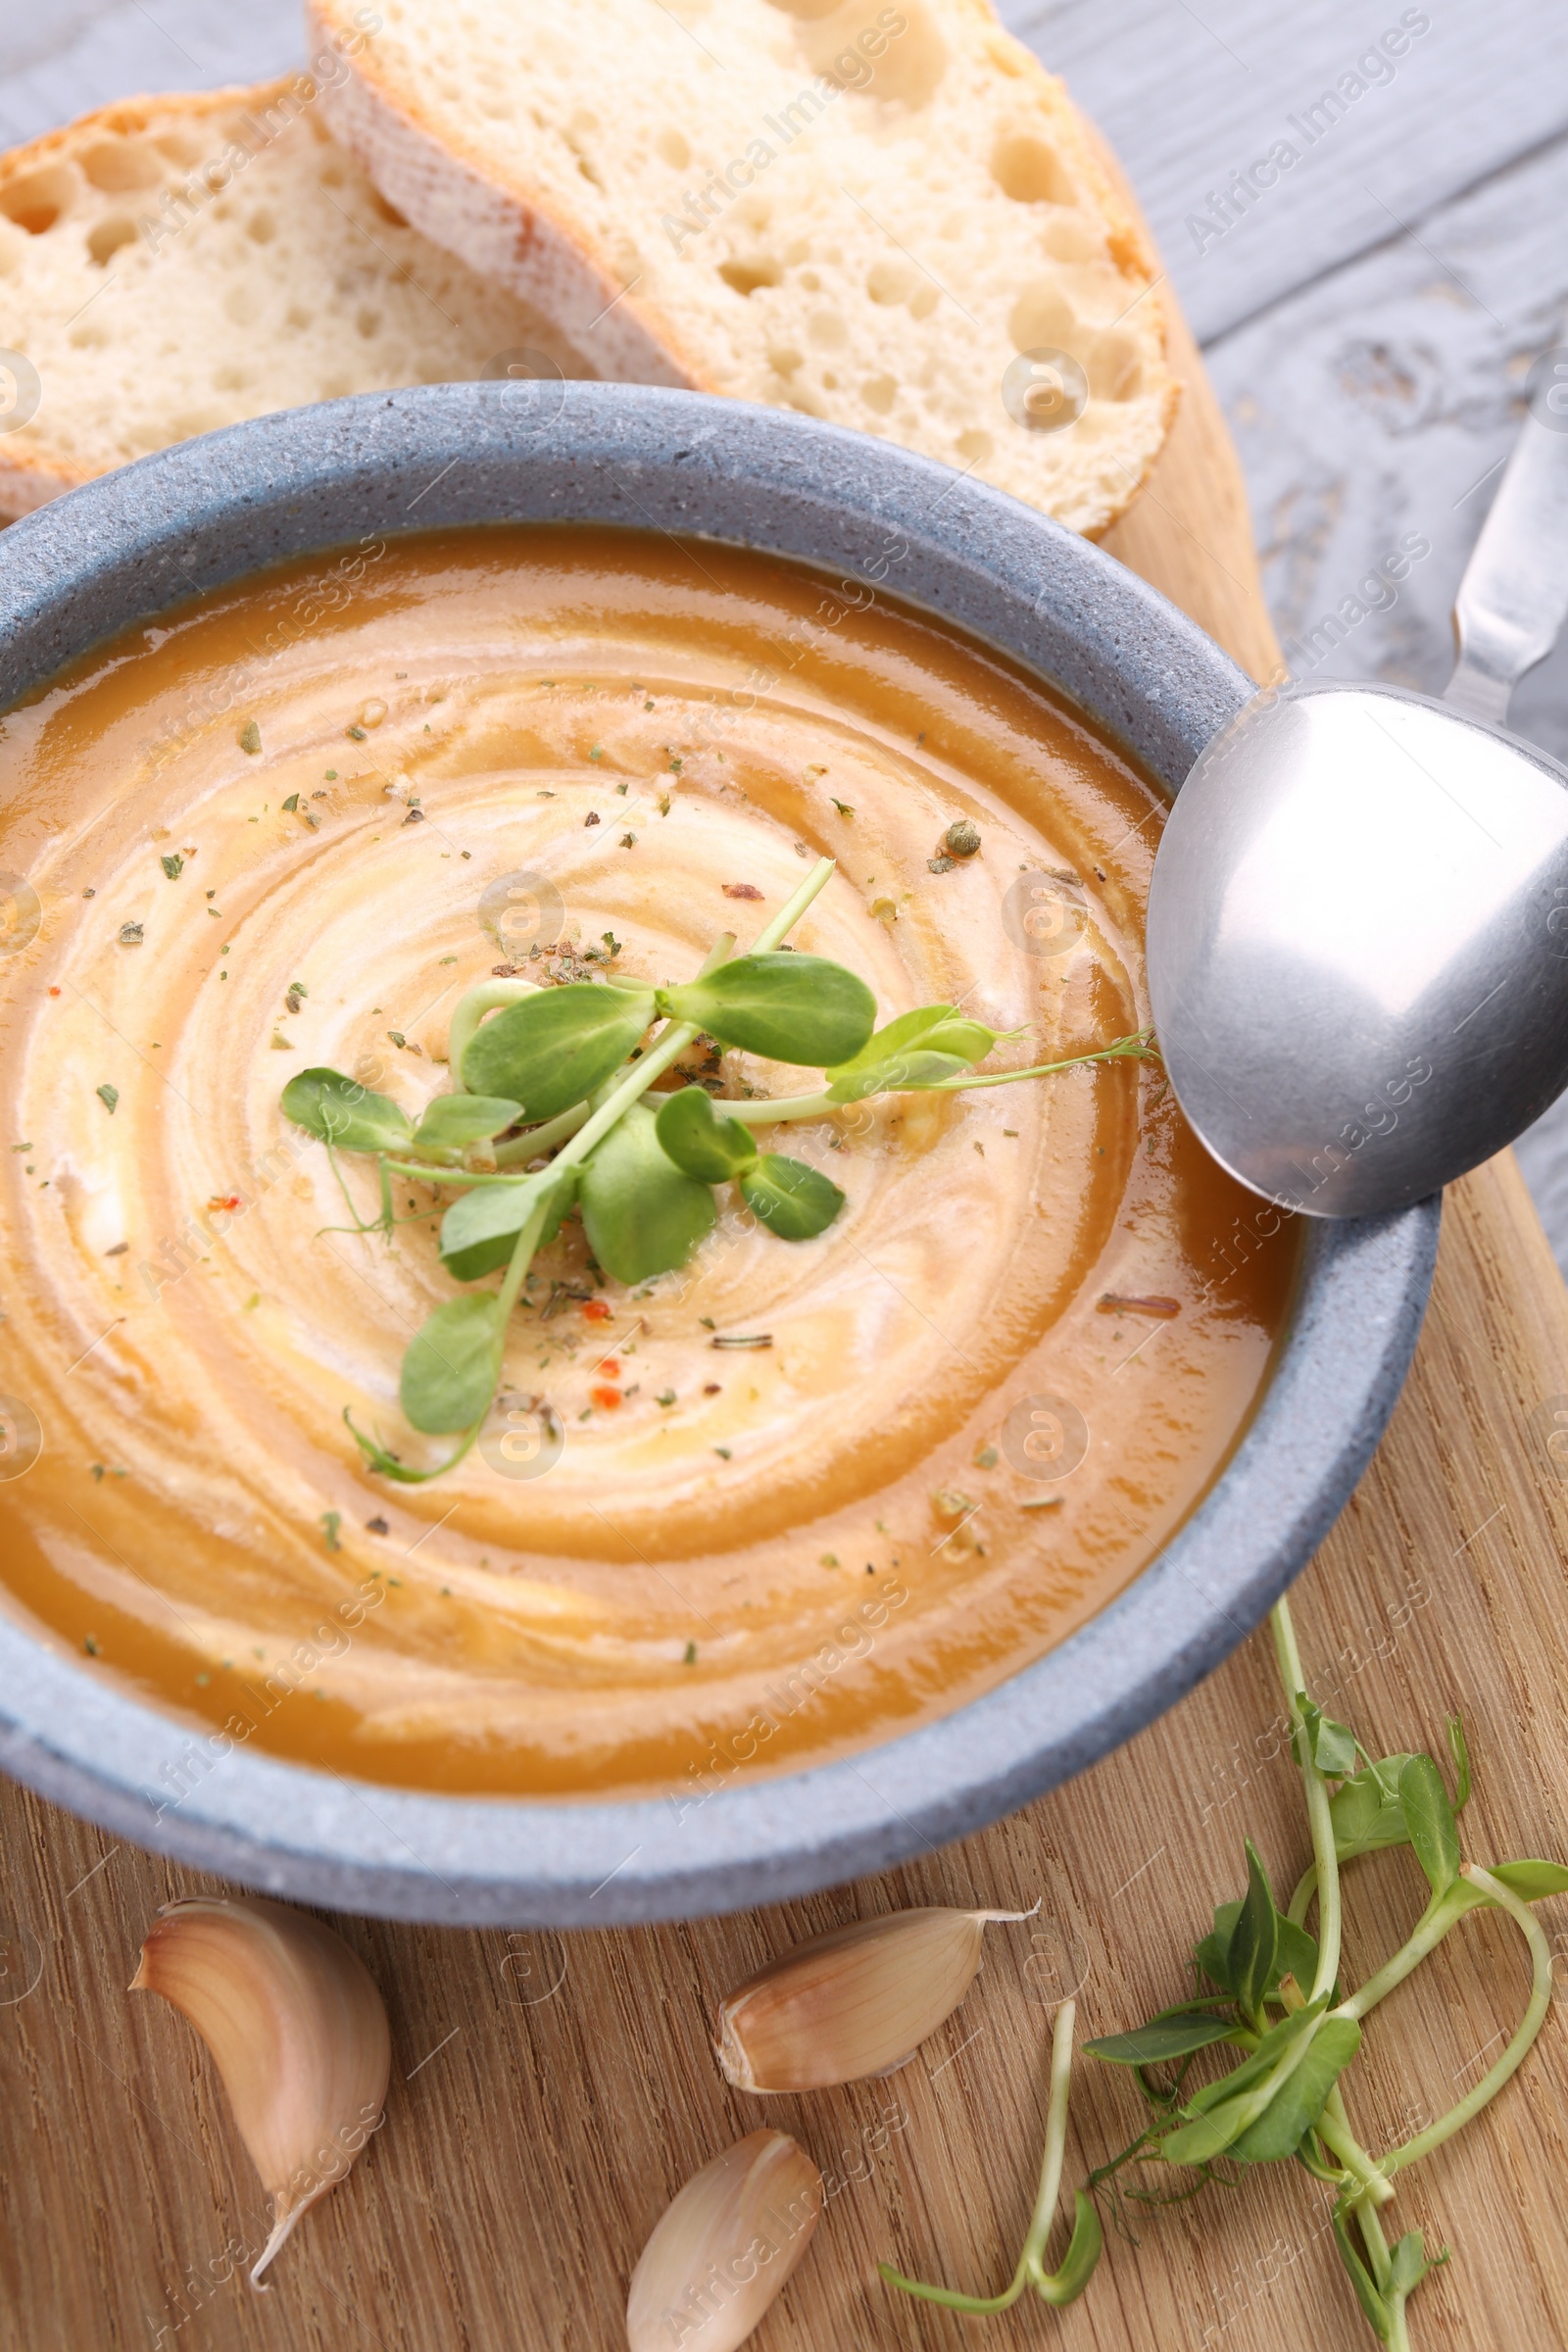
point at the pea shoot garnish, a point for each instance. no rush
(1267, 1987)
(549, 1115)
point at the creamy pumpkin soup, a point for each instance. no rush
(816, 1464)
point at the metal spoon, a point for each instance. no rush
(1358, 916)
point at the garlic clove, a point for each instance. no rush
(298, 2032)
(857, 2002)
(722, 2250)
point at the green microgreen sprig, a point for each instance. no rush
(1279, 2002)
(1065, 2283)
(558, 1075)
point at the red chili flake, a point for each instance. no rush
(226, 1200)
(740, 889)
(609, 1369)
(606, 1396)
(711, 1388)
(596, 1310)
(53, 992)
(1114, 1304)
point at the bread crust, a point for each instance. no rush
(504, 230)
(1130, 245)
(500, 221)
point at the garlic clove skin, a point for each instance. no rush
(296, 2028)
(721, 2252)
(857, 2002)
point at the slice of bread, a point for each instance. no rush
(860, 210)
(169, 265)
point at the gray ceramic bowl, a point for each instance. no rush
(123, 549)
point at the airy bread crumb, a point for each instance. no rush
(170, 264)
(862, 211)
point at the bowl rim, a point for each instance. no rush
(204, 512)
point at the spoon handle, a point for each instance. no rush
(1513, 598)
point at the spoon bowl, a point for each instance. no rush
(1358, 944)
(1358, 914)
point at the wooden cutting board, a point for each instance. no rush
(549, 2094)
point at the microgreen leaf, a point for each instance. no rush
(1220, 2112)
(794, 1202)
(642, 1215)
(1461, 1763)
(342, 1112)
(918, 1048)
(1162, 2038)
(453, 1364)
(1294, 1954)
(1294, 1950)
(453, 1121)
(700, 1143)
(1213, 1954)
(1365, 1809)
(789, 1007)
(1206, 2135)
(1429, 1822)
(1252, 2069)
(1255, 1940)
(1529, 1880)
(1532, 1881)
(1299, 2102)
(1408, 2264)
(480, 1232)
(1366, 2294)
(1330, 1744)
(551, 1049)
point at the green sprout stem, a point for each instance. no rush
(1372, 2237)
(1058, 2286)
(1428, 1932)
(489, 997)
(387, 1465)
(1136, 1048)
(1334, 2131)
(765, 1111)
(542, 1139)
(1334, 2126)
(522, 1258)
(1530, 2024)
(1398, 2333)
(1288, 1656)
(421, 1172)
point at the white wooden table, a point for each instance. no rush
(1368, 320)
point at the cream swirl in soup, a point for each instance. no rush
(783, 1503)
